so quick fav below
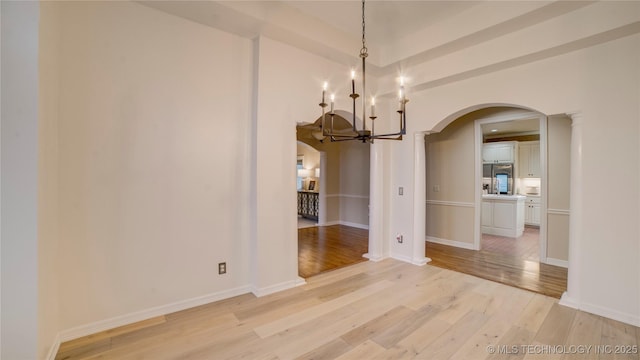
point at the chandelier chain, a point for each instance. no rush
(364, 50)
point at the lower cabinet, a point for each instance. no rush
(308, 204)
(532, 211)
(503, 217)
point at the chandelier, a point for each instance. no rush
(363, 134)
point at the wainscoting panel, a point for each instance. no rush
(450, 223)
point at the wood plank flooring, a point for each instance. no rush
(526, 247)
(371, 310)
(324, 248)
(526, 274)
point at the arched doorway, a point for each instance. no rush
(455, 222)
(341, 235)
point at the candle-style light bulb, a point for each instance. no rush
(324, 88)
(353, 81)
(333, 97)
(373, 106)
(401, 80)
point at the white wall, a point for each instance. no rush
(602, 83)
(19, 188)
(154, 116)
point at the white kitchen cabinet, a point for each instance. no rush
(487, 214)
(532, 211)
(499, 152)
(503, 215)
(529, 159)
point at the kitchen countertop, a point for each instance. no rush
(503, 197)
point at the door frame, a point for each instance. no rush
(525, 115)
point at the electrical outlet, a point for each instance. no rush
(399, 238)
(222, 268)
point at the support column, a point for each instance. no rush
(376, 204)
(322, 200)
(571, 297)
(419, 200)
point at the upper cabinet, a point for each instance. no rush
(499, 152)
(529, 159)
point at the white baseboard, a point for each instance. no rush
(103, 325)
(260, 292)
(557, 262)
(346, 223)
(448, 242)
(566, 300)
(359, 226)
(53, 351)
(611, 314)
(373, 258)
(410, 260)
(630, 319)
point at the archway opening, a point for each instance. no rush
(482, 225)
(341, 184)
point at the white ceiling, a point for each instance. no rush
(439, 41)
(386, 21)
(530, 126)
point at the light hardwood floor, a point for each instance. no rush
(384, 310)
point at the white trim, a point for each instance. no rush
(611, 314)
(566, 300)
(300, 281)
(454, 243)
(557, 262)
(359, 226)
(558, 212)
(285, 285)
(410, 260)
(107, 324)
(345, 223)
(544, 187)
(373, 258)
(348, 196)
(451, 203)
(53, 350)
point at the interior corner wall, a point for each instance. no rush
(19, 169)
(48, 204)
(558, 188)
(450, 183)
(154, 138)
(354, 183)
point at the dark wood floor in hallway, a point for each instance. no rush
(510, 264)
(324, 248)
